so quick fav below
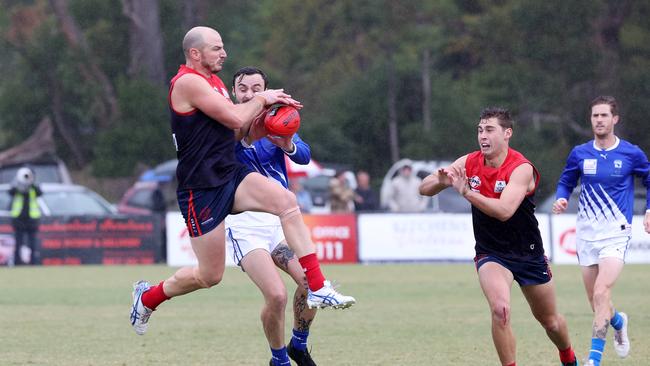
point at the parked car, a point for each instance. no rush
(46, 170)
(446, 201)
(319, 189)
(62, 199)
(154, 192)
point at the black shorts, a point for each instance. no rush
(204, 209)
(528, 271)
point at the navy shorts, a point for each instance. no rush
(204, 209)
(529, 271)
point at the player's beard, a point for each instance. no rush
(213, 67)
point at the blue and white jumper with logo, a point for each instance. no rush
(269, 160)
(606, 179)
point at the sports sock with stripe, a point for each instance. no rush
(280, 357)
(617, 321)
(596, 352)
(299, 339)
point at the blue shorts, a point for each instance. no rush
(530, 271)
(204, 209)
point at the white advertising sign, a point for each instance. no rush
(415, 237)
(422, 237)
(179, 249)
(564, 240)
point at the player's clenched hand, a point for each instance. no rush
(273, 96)
(559, 205)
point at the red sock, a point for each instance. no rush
(154, 296)
(512, 364)
(311, 267)
(567, 355)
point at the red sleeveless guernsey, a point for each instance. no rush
(519, 236)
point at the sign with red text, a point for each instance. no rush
(334, 237)
(92, 240)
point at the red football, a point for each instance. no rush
(282, 120)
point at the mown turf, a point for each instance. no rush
(407, 314)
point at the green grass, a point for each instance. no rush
(418, 314)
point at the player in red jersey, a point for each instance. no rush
(212, 183)
(500, 183)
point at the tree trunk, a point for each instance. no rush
(68, 135)
(426, 90)
(88, 66)
(145, 42)
(193, 13)
(392, 112)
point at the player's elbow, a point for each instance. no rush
(505, 215)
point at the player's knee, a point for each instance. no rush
(601, 294)
(208, 279)
(551, 324)
(277, 299)
(501, 313)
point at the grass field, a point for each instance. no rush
(417, 314)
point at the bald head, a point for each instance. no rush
(196, 38)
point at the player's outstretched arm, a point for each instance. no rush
(435, 182)
(502, 208)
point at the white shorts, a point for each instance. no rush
(590, 252)
(241, 240)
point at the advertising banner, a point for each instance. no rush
(564, 240)
(91, 240)
(335, 238)
(415, 237)
(422, 237)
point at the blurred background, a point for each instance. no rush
(380, 80)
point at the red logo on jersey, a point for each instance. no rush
(474, 182)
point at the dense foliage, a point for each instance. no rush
(347, 60)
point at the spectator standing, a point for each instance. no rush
(365, 198)
(302, 195)
(341, 195)
(25, 214)
(405, 192)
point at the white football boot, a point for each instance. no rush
(139, 313)
(328, 297)
(621, 341)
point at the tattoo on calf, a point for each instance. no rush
(600, 331)
(300, 305)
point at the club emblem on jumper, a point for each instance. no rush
(499, 186)
(618, 164)
(474, 182)
(589, 166)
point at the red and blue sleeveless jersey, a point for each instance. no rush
(519, 236)
(205, 148)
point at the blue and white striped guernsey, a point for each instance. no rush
(607, 187)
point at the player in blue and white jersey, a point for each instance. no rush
(256, 239)
(606, 167)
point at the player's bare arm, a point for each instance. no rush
(193, 92)
(521, 182)
(646, 222)
(437, 181)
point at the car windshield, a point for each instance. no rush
(42, 173)
(75, 203)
